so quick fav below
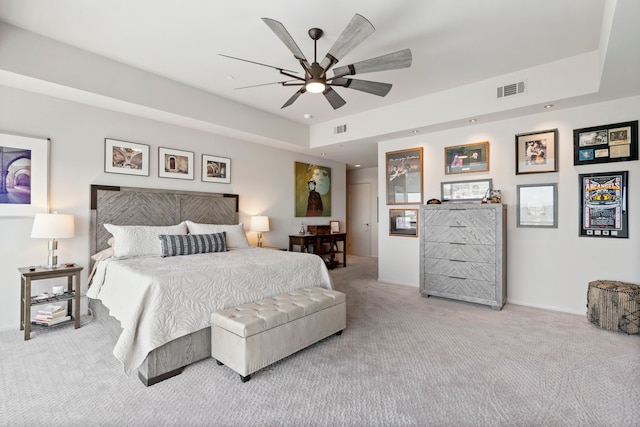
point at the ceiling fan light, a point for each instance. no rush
(315, 86)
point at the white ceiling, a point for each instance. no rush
(453, 43)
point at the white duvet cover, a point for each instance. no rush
(160, 299)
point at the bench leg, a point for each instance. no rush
(245, 379)
(339, 332)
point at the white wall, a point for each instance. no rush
(548, 268)
(262, 176)
(369, 176)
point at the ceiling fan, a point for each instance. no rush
(315, 78)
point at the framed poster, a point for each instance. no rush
(127, 158)
(466, 158)
(537, 206)
(175, 163)
(25, 181)
(404, 176)
(403, 222)
(312, 190)
(216, 169)
(536, 152)
(465, 191)
(616, 142)
(603, 204)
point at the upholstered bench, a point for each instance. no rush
(254, 335)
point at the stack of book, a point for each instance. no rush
(50, 315)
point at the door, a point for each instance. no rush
(360, 219)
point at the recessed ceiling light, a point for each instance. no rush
(230, 77)
(548, 106)
(307, 116)
(356, 166)
(324, 154)
(415, 131)
(473, 120)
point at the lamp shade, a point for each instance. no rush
(259, 223)
(52, 226)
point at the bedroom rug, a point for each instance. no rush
(403, 360)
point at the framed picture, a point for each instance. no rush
(537, 206)
(536, 152)
(616, 142)
(175, 163)
(404, 176)
(312, 185)
(127, 158)
(335, 226)
(403, 222)
(466, 158)
(603, 204)
(216, 169)
(25, 163)
(466, 191)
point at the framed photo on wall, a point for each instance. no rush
(216, 169)
(127, 158)
(403, 222)
(466, 191)
(536, 152)
(466, 158)
(616, 142)
(404, 176)
(174, 163)
(538, 205)
(26, 175)
(603, 204)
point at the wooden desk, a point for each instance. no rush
(327, 246)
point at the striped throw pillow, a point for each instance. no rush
(189, 244)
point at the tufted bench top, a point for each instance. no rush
(252, 318)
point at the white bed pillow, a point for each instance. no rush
(236, 237)
(140, 240)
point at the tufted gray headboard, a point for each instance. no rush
(146, 206)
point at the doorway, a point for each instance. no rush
(359, 220)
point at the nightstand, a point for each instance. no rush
(29, 274)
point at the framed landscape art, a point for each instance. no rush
(603, 204)
(536, 152)
(616, 142)
(466, 158)
(537, 205)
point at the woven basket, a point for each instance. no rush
(614, 305)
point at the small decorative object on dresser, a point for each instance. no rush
(463, 252)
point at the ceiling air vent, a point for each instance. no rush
(511, 89)
(340, 129)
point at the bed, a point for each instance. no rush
(157, 308)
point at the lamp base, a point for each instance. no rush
(52, 259)
(259, 239)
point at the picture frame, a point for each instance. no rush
(128, 158)
(617, 142)
(176, 164)
(466, 158)
(27, 175)
(403, 222)
(404, 176)
(536, 152)
(603, 204)
(335, 226)
(216, 169)
(537, 205)
(466, 191)
(312, 190)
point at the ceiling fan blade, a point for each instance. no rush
(258, 63)
(358, 29)
(286, 38)
(334, 99)
(374, 88)
(294, 97)
(283, 83)
(390, 61)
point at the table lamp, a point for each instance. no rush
(259, 223)
(52, 226)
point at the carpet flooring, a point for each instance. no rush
(403, 360)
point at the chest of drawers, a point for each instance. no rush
(463, 252)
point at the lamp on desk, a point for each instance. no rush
(259, 223)
(52, 226)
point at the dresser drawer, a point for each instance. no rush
(452, 287)
(460, 269)
(470, 235)
(484, 218)
(460, 251)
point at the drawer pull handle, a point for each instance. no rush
(456, 277)
(457, 260)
